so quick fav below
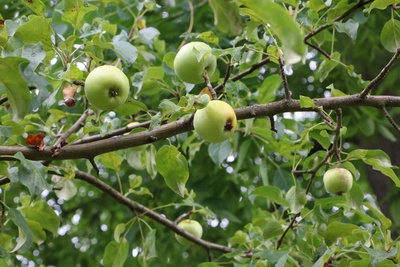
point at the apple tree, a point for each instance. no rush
(90, 179)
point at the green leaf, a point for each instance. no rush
(386, 223)
(281, 24)
(338, 229)
(350, 27)
(379, 255)
(29, 173)
(272, 193)
(40, 212)
(390, 35)
(67, 189)
(15, 86)
(379, 161)
(116, 253)
(219, 151)
(25, 238)
(149, 248)
(172, 165)
(327, 66)
(296, 197)
(37, 6)
(75, 10)
(111, 160)
(209, 37)
(306, 102)
(267, 90)
(382, 4)
(125, 50)
(226, 16)
(36, 30)
(118, 231)
(209, 264)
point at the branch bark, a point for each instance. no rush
(92, 149)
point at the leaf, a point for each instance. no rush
(226, 16)
(386, 223)
(306, 102)
(111, 160)
(75, 10)
(338, 229)
(327, 66)
(67, 189)
(42, 213)
(272, 193)
(390, 35)
(37, 6)
(350, 27)
(125, 50)
(119, 230)
(29, 173)
(173, 166)
(267, 90)
(377, 256)
(296, 197)
(219, 151)
(25, 238)
(15, 86)
(149, 248)
(116, 253)
(281, 24)
(382, 4)
(209, 264)
(379, 161)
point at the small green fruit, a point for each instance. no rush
(338, 181)
(107, 87)
(191, 226)
(193, 60)
(216, 122)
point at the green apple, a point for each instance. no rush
(191, 226)
(216, 122)
(338, 181)
(193, 60)
(107, 87)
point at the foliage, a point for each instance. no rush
(312, 84)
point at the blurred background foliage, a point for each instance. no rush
(144, 37)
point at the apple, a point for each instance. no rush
(107, 87)
(191, 226)
(216, 122)
(338, 181)
(193, 60)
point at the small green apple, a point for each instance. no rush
(338, 181)
(193, 60)
(216, 122)
(107, 87)
(191, 226)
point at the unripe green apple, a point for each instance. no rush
(193, 60)
(107, 87)
(338, 181)
(216, 122)
(191, 226)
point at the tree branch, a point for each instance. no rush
(92, 149)
(140, 210)
(380, 76)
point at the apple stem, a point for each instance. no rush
(209, 86)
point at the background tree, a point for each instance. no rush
(313, 87)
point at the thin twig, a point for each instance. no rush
(380, 76)
(318, 49)
(226, 76)
(209, 86)
(390, 119)
(288, 94)
(62, 139)
(245, 72)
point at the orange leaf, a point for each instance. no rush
(36, 140)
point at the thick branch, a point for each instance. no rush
(140, 210)
(92, 149)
